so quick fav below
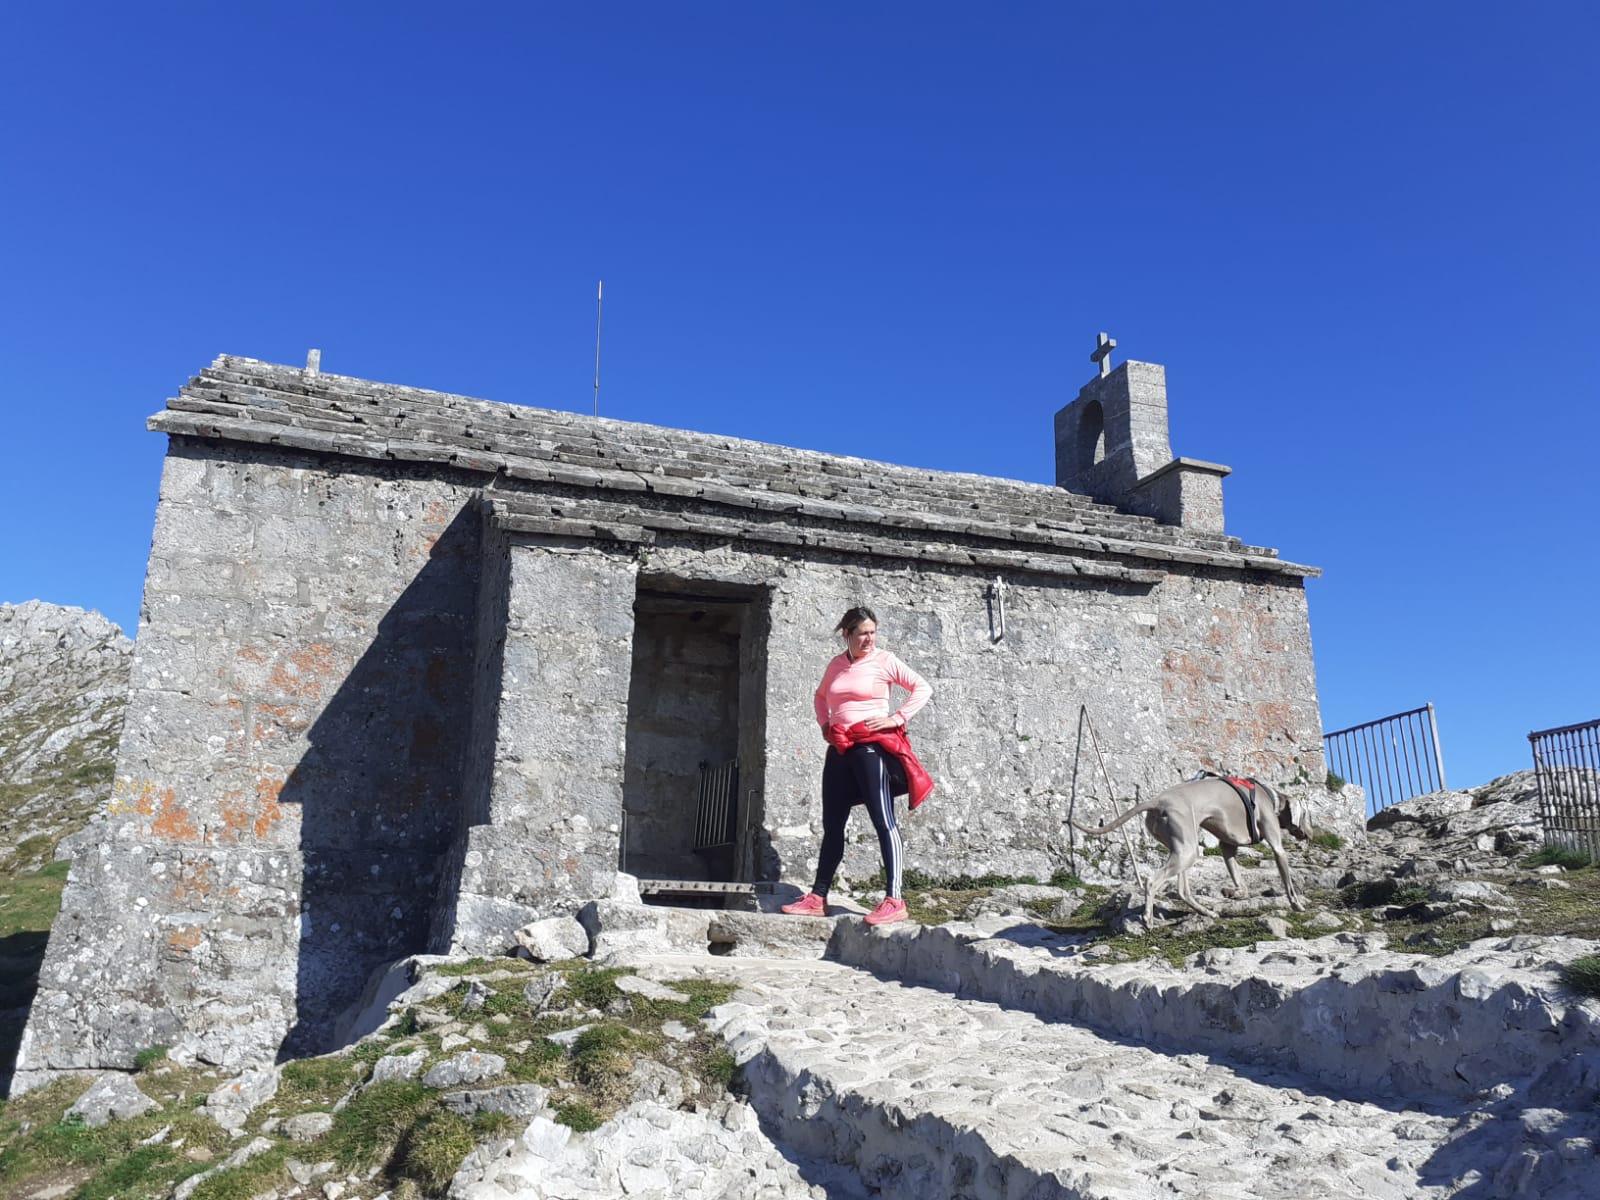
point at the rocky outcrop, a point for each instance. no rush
(63, 688)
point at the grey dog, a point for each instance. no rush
(1176, 817)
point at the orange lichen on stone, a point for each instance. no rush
(303, 673)
(273, 722)
(268, 811)
(169, 820)
(184, 939)
(173, 823)
(255, 815)
(193, 882)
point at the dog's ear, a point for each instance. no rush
(1294, 815)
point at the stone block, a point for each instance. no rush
(554, 939)
(112, 1097)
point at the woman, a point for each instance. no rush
(867, 750)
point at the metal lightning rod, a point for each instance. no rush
(599, 297)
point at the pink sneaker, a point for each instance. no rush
(888, 912)
(809, 905)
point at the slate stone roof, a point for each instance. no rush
(623, 466)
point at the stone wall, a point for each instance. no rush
(1001, 735)
(551, 837)
(278, 820)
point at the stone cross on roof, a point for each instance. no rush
(1102, 354)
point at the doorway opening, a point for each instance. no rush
(696, 749)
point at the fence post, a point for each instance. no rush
(1438, 755)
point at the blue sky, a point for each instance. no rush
(1361, 237)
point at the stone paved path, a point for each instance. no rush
(923, 1094)
(926, 1095)
(992, 1060)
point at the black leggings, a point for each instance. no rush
(858, 776)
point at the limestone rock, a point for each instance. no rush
(539, 990)
(63, 689)
(238, 1158)
(467, 1067)
(554, 939)
(649, 1150)
(649, 990)
(1470, 891)
(521, 1100)
(307, 1127)
(617, 929)
(399, 1066)
(231, 1104)
(1422, 809)
(1519, 787)
(768, 935)
(657, 1083)
(566, 1037)
(112, 1097)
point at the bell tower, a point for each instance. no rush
(1111, 445)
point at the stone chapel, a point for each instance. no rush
(414, 669)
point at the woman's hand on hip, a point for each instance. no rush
(878, 724)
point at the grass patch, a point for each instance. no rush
(935, 899)
(39, 1149)
(433, 1149)
(578, 1116)
(141, 1173)
(487, 1125)
(595, 987)
(602, 1058)
(1380, 893)
(264, 1172)
(1176, 944)
(922, 881)
(366, 1131)
(309, 1080)
(149, 1057)
(1335, 782)
(1328, 840)
(472, 966)
(397, 1130)
(1564, 857)
(720, 1068)
(1582, 975)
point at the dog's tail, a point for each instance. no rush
(1147, 806)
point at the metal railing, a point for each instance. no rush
(716, 815)
(1566, 762)
(1394, 758)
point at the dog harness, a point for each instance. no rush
(1246, 787)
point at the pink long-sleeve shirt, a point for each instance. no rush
(859, 690)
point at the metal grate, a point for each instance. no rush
(1394, 758)
(716, 815)
(1567, 764)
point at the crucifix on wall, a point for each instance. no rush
(995, 594)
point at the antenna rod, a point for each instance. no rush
(599, 296)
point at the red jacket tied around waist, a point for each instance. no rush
(919, 782)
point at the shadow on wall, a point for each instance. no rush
(380, 789)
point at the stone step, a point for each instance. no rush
(1341, 1012)
(922, 1094)
(996, 1058)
